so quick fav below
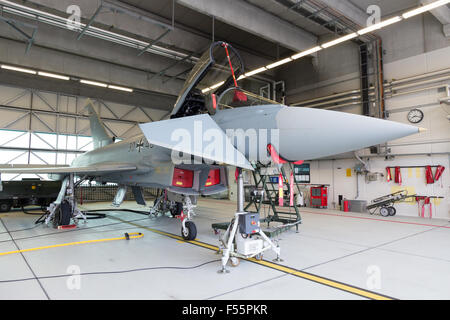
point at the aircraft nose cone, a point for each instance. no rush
(307, 133)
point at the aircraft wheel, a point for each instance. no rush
(384, 211)
(392, 211)
(191, 231)
(234, 261)
(259, 257)
(5, 207)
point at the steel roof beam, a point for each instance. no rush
(250, 18)
(442, 14)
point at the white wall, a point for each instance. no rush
(412, 48)
(333, 172)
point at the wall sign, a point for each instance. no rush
(302, 173)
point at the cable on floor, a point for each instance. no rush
(114, 272)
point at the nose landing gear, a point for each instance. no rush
(180, 207)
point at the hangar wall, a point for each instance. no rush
(420, 49)
(50, 128)
(333, 172)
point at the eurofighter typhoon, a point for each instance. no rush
(214, 124)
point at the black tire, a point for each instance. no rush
(5, 207)
(176, 210)
(384, 211)
(392, 211)
(63, 214)
(191, 231)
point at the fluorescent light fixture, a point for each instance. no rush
(306, 53)
(18, 69)
(340, 40)
(425, 8)
(242, 76)
(217, 85)
(120, 88)
(213, 87)
(380, 25)
(94, 83)
(279, 63)
(251, 73)
(52, 75)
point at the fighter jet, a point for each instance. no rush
(214, 124)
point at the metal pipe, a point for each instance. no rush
(333, 101)
(326, 97)
(425, 75)
(420, 83)
(418, 143)
(389, 87)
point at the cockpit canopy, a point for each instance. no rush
(216, 72)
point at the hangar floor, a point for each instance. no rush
(334, 256)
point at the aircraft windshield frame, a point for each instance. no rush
(252, 99)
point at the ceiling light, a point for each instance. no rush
(380, 25)
(217, 85)
(206, 90)
(120, 88)
(251, 73)
(306, 53)
(51, 75)
(425, 8)
(18, 69)
(93, 83)
(242, 76)
(340, 40)
(279, 63)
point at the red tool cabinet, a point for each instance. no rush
(319, 197)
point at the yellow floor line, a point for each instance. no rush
(130, 236)
(288, 270)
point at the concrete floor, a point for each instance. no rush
(403, 258)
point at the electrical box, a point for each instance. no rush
(370, 177)
(249, 223)
(247, 246)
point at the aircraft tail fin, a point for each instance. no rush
(98, 130)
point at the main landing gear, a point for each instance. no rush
(180, 207)
(61, 211)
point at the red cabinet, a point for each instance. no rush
(319, 197)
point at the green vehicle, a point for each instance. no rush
(18, 194)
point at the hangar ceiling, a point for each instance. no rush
(157, 78)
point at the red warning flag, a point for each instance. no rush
(291, 189)
(429, 175)
(439, 171)
(398, 176)
(280, 190)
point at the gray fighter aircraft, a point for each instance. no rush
(214, 124)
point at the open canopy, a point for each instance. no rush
(213, 73)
